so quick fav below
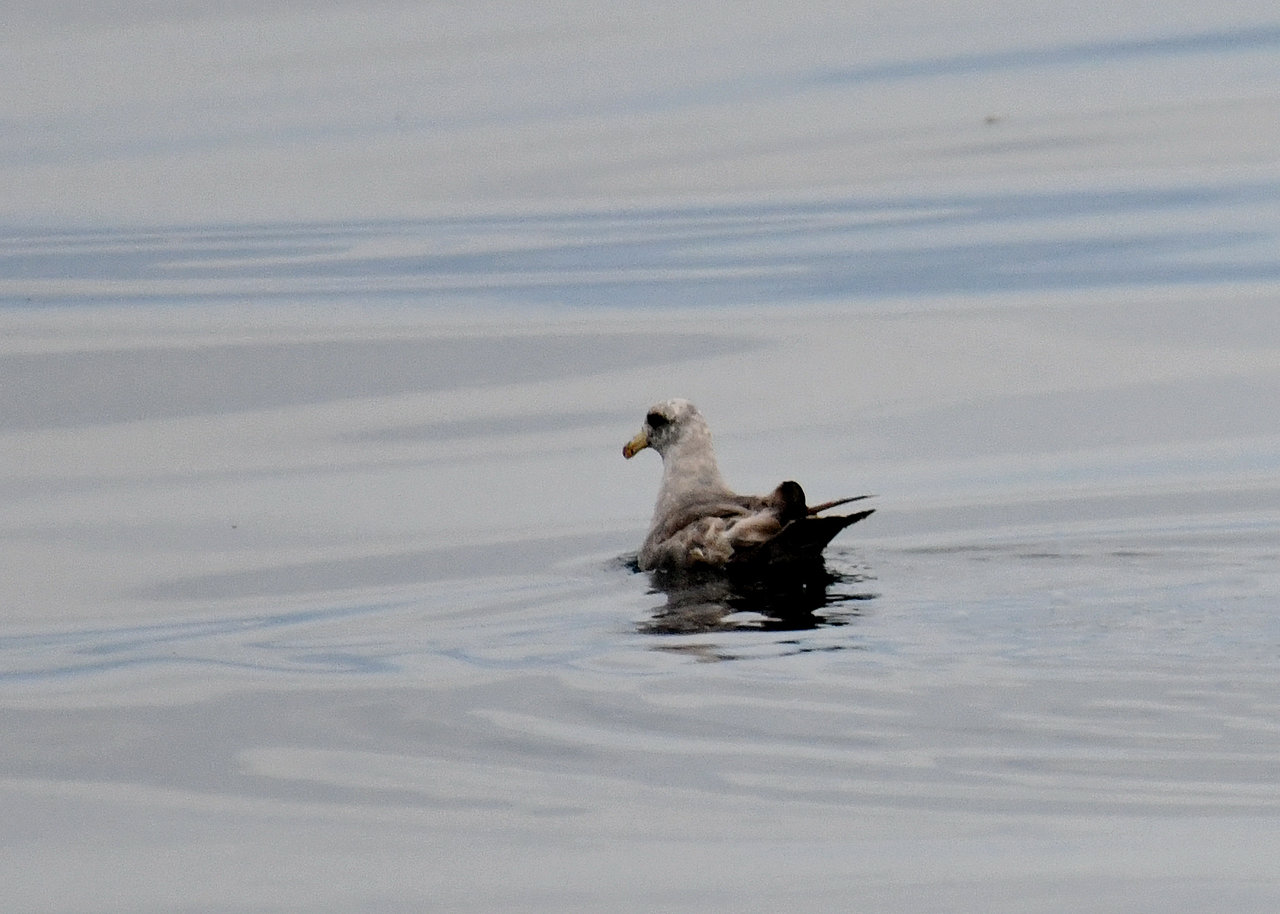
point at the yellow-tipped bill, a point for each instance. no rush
(635, 445)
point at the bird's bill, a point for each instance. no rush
(635, 445)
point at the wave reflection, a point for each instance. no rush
(816, 597)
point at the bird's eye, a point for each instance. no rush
(655, 421)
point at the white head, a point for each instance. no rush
(677, 431)
(666, 426)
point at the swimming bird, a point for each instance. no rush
(699, 522)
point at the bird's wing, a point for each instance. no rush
(801, 540)
(725, 507)
(746, 530)
(817, 509)
(710, 532)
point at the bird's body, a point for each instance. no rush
(699, 522)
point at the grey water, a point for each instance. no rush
(317, 582)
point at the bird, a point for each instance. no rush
(700, 523)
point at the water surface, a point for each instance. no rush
(316, 538)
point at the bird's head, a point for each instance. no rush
(664, 425)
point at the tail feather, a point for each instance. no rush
(803, 540)
(817, 509)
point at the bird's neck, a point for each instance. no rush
(690, 466)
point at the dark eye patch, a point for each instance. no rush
(655, 420)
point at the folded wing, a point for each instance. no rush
(748, 532)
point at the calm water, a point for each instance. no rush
(315, 533)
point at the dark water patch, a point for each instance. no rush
(189, 644)
(1216, 42)
(710, 255)
(513, 559)
(99, 387)
(495, 426)
(805, 600)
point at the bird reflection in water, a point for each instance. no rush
(797, 600)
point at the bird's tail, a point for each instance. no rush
(818, 509)
(804, 539)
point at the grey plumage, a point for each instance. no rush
(699, 521)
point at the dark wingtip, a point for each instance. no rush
(839, 501)
(850, 519)
(802, 540)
